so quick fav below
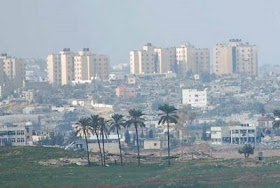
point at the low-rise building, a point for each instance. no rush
(244, 133)
(155, 144)
(15, 135)
(194, 97)
(125, 91)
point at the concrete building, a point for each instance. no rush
(125, 91)
(192, 59)
(235, 57)
(61, 67)
(29, 95)
(194, 97)
(12, 74)
(245, 133)
(67, 67)
(83, 63)
(143, 61)
(101, 66)
(216, 135)
(15, 135)
(165, 60)
(154, 144)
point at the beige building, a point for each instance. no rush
(143, 61)
(165, 59)
(189, 58)
(101, 66)
(125, 91)
(13, 70)
(12, 74)
(235, 57)
(67, 67)
(83, 62)
(61, 67)
(154, 144)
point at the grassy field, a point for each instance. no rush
(19, 167)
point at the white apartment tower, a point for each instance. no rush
(235, 57)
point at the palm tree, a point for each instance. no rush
(276, 122)
(136, 120)
(83, 129)
(168, 115)
(117, 123)
(94, 123)
(104, 133)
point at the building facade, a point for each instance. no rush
(165, 60)
(194, 97)
(235, 57)
(143, 61)
(15, 135)
(180, 60)
(245, 133)
(68, 67)
(12, 74)
(195, 60)
(125, 91)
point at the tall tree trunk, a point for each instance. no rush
(100, 151)
(138, 150)
(104, 158)
(86, 146)
(120, 147)
(168, 141)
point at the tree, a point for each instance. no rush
(83, 129)
(276, 122)
(168, 115)
(247, 150)
(104, 133)
(142, 134)
(127, 137)
(94, 123)
(116, 124)
(151, 134)
(136, 120)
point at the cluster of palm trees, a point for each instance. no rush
(97, 125)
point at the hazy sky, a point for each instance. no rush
(35, 28)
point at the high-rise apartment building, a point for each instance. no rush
(101, 66)
(12, 74)
(61, 67)
(189, 58)
(83, 62)
(13, 70)
(66, 67)
(143, 61)
(162, 60)
(165, 59)
(235, 57)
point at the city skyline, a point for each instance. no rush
(170, 24)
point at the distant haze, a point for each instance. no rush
(35, 28)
